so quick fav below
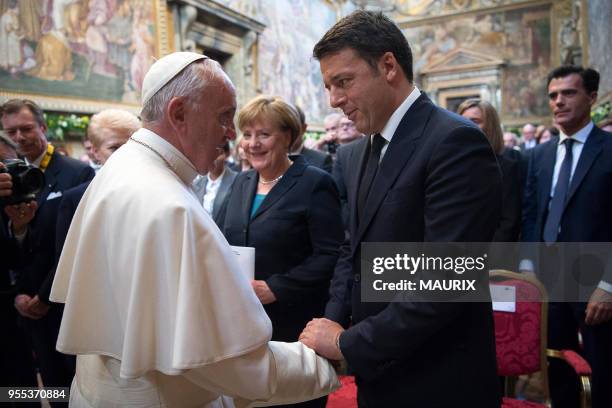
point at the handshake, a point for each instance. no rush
(323, 336)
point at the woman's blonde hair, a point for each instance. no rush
(273, 108)
(117, 120)
(491, 126)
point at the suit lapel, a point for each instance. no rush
(549, 156)
(590, 151)
(222, 192)
(249, 187)
(398, 153)
(50, 180)
(284, 185)
(359, 156)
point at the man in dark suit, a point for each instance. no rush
(312, 157)
(16, 363)
(529, 140)
(568, 199)
(24, 123)
(348, 135)
(213, 189)
(426, 175)
(343, 166)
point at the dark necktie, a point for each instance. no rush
(370, 171)
(557, 203)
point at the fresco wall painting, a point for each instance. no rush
(84, 54)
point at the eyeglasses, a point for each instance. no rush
(347, 125)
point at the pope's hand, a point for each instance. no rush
(322, 335)
(263, 292)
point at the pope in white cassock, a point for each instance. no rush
(157, 310)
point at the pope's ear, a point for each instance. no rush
(176, 111)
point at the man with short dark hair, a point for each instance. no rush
(568, 199)
(24, 123)
(421, 174)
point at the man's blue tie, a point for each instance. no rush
(557, 203)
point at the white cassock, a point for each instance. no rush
(157, 310)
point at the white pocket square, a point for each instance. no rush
(53, 195)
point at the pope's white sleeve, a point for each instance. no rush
(276, 373)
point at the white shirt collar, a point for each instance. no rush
(395, 119)
(170, 154)
(580, 136)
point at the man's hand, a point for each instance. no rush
(599, 309)
(263, 292)
(37, 307)
(20, 215)
(5, 184)
(22, 304)
(321, 335)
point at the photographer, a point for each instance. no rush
(23, 122)
(19, 214)
(16, 365)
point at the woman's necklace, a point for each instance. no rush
(262, 181)
(275, 180)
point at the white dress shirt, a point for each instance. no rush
(212, 187)
(395, 119)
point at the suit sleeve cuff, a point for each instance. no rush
(337, 312)
(603, 285)
(526, 265)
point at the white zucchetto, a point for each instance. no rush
(164, 69)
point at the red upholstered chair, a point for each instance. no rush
(345, 396)
(520, 339)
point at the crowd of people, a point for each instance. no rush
(125, 261)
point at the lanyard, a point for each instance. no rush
(44, 163)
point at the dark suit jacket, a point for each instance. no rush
(317, 159)
(9, 255)
(438, 181)
(222, 197)
(296, 233)
(510, 223)
(67, 208)
(345, 162)
(36, 275)
(587, 216)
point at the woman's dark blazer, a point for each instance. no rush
(296, 232)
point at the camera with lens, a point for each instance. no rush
(27, 181)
